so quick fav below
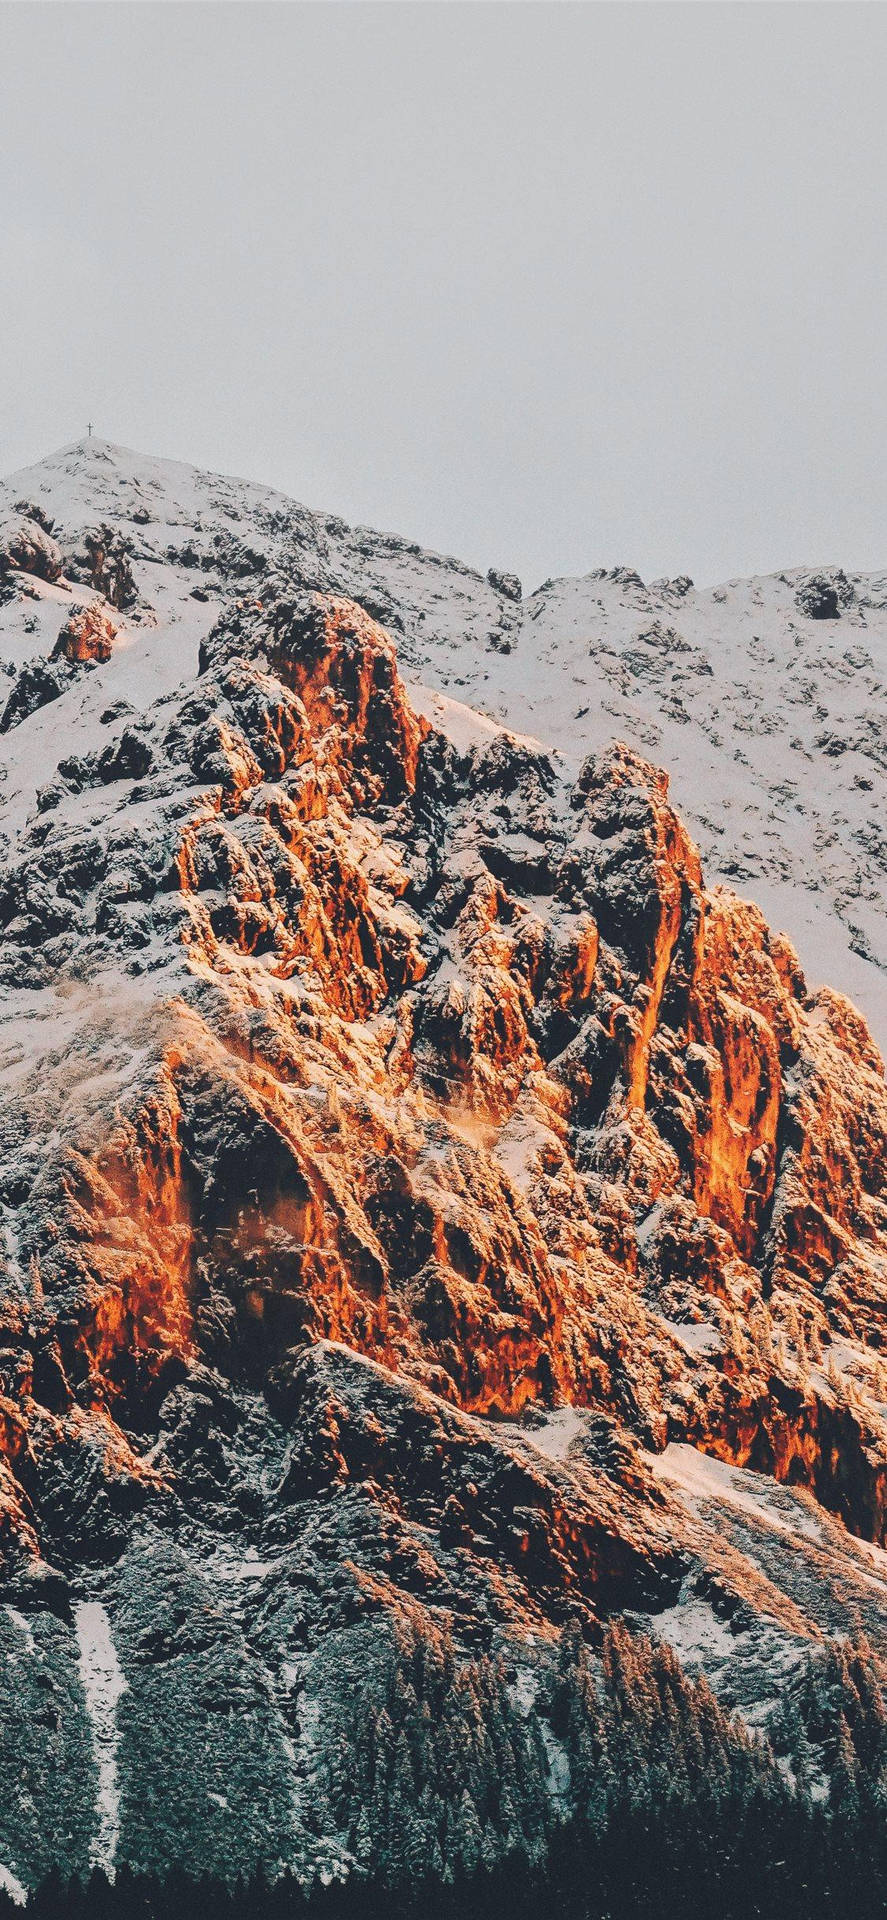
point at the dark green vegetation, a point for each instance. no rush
(665, 1805)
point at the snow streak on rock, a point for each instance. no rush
(10, 1884)
(103, 1684)
(19, 1621)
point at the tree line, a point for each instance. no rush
(613, 1788)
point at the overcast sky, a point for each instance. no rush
(545, 286)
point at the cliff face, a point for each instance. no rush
(419, 1192)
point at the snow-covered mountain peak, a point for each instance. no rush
(765, 698)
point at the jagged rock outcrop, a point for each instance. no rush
(27, 545)
(87, 635)
(419, 1193)
(822, 596)
(102, 559)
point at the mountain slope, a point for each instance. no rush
(425, 1203)
(764, 698)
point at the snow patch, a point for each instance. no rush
(465, 727)
(10, 1883)
(697, 1336)
(18, 1620)
(554, 1436)
(11, 1249)
(519, 1145)
(103, 1683)
(699, 1477)
(694, 1633)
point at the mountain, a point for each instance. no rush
(438, 1226)
(764, 698)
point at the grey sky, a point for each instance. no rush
(546, 286)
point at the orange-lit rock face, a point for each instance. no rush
(342, 666)
(734, 1071)
(88, 634)
(449, 1064)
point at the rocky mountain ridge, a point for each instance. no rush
(764, 698)
(423, 1199)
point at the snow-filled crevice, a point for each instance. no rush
(103, 1684)
(18, 1621)
(10, 1884)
